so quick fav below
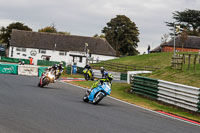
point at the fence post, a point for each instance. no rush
(182, 62)
(195, 57)
(189, 62)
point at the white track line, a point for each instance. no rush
(138, 106)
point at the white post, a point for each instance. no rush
(174, 38)
(86, 45)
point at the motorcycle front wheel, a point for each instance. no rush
(99, 96)
(86, 77)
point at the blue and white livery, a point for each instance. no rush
(98, 93)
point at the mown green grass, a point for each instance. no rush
(178, 76)
(159, 60)
(64, 75)
(121, 91)
(163, 61)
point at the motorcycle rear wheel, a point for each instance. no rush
(85, 98)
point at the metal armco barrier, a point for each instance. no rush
(184, 96)
(145, 86)
(116, 75)
(180, 95)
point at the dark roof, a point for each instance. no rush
(157, 49)
(191, 42)
(41, 40)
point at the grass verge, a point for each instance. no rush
(121, 91)
(64, 75)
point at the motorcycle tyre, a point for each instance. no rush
(39, 84)
(101, 96)
(86, 77)
(85, 98)
(44, 82)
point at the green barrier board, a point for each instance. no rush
(123, 76)
(14, 60)
(41, 70)
(68, 70)
(49, 63)
(9, 69)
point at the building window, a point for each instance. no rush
(23, 49)
(18, 49)
(62, 53)
(80, 59)
(42, 51)
(18, 53)
(24, 55)
(12, 52)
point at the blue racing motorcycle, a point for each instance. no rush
(98, 93)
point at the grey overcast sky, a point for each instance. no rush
(88, 17)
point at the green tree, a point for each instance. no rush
(52, 29)
(64, 33)
(6, 32)
(187, 19)
(49, 29)
(122, 34)
(99, 36)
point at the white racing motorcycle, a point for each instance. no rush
(46, 78)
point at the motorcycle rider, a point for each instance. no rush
(103, 72)
(108, 78)
(89, 68)
(54, 69)
(60, 68)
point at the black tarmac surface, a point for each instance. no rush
(58, 108)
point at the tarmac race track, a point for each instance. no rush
(58, 108)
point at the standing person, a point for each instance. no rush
(31, 60)
(148, 49)
(97, 59)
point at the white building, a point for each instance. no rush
(58, 47)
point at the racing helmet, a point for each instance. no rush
(61, 63)
(110, 77)
(102, 70)
(54, 66)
